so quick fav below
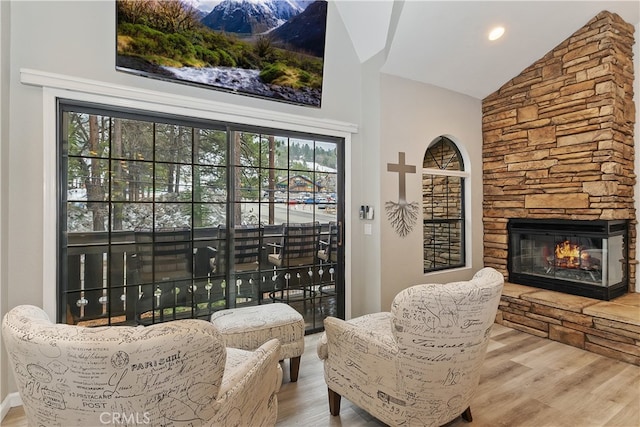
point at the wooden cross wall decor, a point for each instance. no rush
(402, 169)
(403, 214)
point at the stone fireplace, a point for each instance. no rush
(558, 144)
(587, 258)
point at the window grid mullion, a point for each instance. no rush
(447, 227)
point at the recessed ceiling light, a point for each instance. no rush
(496, 33)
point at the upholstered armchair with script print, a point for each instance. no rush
(176, 373)
(420, 363)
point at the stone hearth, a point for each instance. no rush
(610, 328)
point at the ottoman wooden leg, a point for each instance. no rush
(294, 367)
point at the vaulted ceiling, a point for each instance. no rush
(444, 43)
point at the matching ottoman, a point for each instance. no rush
(248, 328)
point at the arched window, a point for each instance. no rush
(443, 206)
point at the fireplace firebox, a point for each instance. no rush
(586, 258)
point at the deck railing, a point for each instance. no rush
(102, 285)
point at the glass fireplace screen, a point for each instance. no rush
(568, 256)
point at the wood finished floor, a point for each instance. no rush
(527, 381)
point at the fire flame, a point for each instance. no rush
(567, 250)
(570, 256)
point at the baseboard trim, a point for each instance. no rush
(11, 401)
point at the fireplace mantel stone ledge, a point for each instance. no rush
(610, 328)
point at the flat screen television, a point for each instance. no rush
(271, 49)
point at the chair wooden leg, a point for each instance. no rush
(466, 415)
(294, 367)
(334, 402)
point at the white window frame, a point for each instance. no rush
(466, 174)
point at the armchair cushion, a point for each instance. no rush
(176, 373)
(373, 328)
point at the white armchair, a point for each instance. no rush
(177, 373)
(420, 363)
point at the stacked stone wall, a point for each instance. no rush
(442, 201)
(558, 140)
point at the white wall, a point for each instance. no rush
(365, 262)
(414, 115)
(4, 150)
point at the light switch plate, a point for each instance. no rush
(368, 229)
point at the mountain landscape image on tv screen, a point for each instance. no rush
(266, 48)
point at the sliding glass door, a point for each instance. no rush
(163, 218)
